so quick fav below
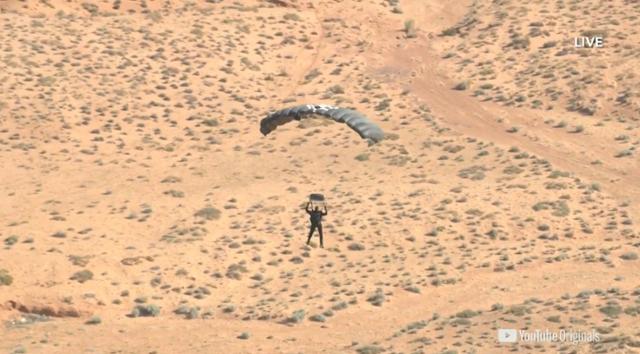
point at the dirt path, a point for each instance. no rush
(306, 59)
(419, 67)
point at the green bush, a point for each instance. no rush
(377, 298)
(296, 317)
(145, 311)
(94, 320)
(611, 310)
(629, 256)
(362, 157)
(410, 29)
(317, 318)
(461, 86)
(5, 277)
(82, 276)
(370, 349)
(208, 213)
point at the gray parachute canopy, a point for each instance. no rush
(356, 121)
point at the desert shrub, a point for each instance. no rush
(317, 318)
(208, 213)
(94, 320)
(629, 256)
(611, 310)
(5, 278)
(377, 298)
(370, 349)
(82, 276)
(91, 8)
(410, 29)
(145, 311)
(362, 157)
(296, 317)
(461, 86)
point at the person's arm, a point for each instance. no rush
(307, 207)
(325, 212)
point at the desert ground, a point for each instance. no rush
(142, 210)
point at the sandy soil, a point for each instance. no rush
(143, 211)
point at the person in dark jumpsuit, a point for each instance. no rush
(315, 216)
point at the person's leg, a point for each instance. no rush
(311, 230)
(320, 232)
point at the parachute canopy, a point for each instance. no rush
(356, 121)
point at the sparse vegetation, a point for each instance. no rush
(148, 310)
(82, 276)
(297, 316)
(136, 178)
(94, 320)
(410, 29)
(461, 86)
(370, 349)
(208, 213)
(5, 278)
